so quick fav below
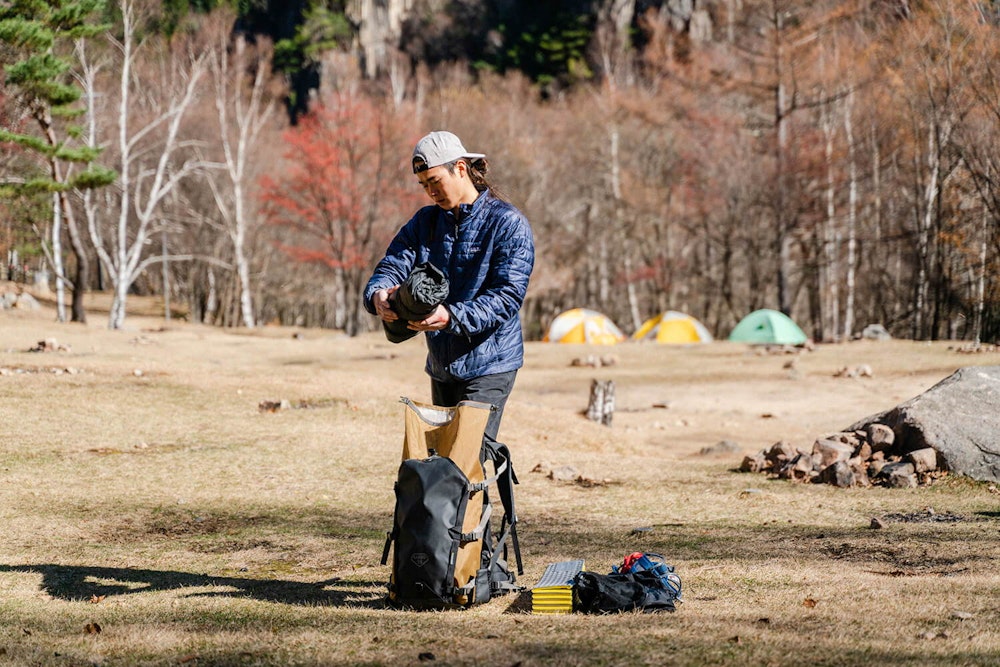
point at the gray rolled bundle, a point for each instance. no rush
(423, 291)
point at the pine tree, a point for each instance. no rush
(37, 37)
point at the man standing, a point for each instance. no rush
(484, 247)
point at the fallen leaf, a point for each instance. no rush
(92, 628)
(809, 602)
(96, 599)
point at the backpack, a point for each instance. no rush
(642, 582)
(445, 554)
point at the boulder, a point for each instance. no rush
(875, 332)
(959, 417)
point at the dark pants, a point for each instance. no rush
(493, 389)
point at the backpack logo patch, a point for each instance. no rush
(419, 559)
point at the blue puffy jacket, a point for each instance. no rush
(487, 254)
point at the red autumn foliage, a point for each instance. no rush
(344, 187)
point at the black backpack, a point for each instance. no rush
(445, 554)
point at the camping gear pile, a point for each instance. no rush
(643, 582)
(445, 554)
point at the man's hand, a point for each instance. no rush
(381, 302)
(436, 321)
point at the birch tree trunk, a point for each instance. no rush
(829, 274)
(619, 224)
(852, 214)
(782, 226)
(981, 280)
(876, 204)
(242, 114)
(62, 213)
(57, 258)
(924, 222)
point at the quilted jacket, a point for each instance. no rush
(487, 253)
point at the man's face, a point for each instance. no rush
(443, 187)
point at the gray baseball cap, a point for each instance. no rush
(439, 148)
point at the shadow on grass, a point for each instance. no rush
(83, 583)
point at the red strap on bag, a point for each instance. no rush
(630, 561)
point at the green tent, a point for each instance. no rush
(768, 326)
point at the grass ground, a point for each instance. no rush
(144, 495)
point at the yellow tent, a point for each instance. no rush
(673, 327)
(581, 325)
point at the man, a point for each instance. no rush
(484, 247)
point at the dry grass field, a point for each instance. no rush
(151, 514)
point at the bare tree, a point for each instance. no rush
(241, 77)
(151, 107)
(780, 43)
(933, 52)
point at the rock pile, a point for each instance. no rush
(959, 418)
(866, 457)
(50, 345)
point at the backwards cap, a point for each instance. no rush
(439, 148)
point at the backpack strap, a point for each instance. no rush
(498, 472)
(508, 530)
(499, 453)
(478, 532)
(389, 536)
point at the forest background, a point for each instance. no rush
(248, 161)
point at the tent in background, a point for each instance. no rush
(768, 326)
(673, 327)
(581, 325)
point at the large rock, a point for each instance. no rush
(959, 417)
